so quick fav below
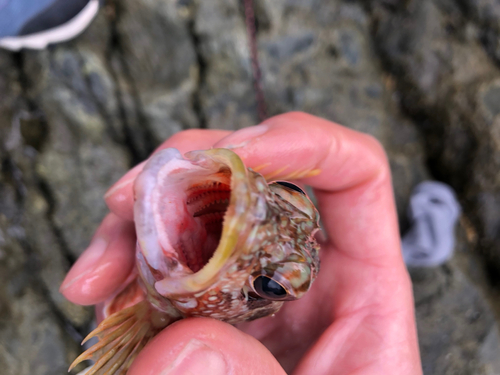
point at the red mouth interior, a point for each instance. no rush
(206, 203)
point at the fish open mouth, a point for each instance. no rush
(206, 203)
(188, 212)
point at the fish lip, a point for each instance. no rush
(235, 222)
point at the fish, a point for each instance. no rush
(214, 239)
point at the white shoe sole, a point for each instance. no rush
(60, 33)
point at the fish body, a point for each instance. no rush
(214, 239)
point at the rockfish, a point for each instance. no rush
(214, 239)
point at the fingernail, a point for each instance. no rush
(242, 137)
(86, 262)
(198, 358)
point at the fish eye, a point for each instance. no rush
(268, 288)
(295, 196)
(291, 186)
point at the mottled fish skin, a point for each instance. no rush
(266, 255)
(279, 244)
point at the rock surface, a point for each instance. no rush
(422, 76)
(447, 68)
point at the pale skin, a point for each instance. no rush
(358, 317)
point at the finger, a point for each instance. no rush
(348, 169)
(104, 265)
(364, 343)
(119, 197)
(204, 346)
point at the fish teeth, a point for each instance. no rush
(198, 197)
(205, 194)
(203, 201)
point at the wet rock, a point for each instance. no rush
(158, 65)
(32, 334)
(80, 159)
(489, 352)
(448, 80)
(486, 14)
(454, 323)
(318, 59)
(226, 95)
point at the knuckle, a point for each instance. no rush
(377, 149)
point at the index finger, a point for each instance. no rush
(347, 169)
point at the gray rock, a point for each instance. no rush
(157, 62)
(32, 335)
(226, 94)
(321, 62)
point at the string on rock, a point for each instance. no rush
(257, 75)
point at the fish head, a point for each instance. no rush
(216, 239)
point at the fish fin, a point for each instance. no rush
(122, 336)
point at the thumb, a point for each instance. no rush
(204, 346)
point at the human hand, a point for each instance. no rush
(357, 318)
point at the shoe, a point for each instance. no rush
(36, 23)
